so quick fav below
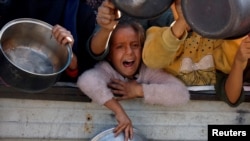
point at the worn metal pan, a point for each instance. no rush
(108, 135)
(143, 9)
(31, 60)
(219, 19)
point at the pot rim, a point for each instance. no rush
(110, 131)
(44, 24)
(132, 10)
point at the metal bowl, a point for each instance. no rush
(143, 9)
(108, 135)
(30, 58)
(218, 19)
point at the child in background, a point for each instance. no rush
(187, 55)
(123, 73)
(194, 59)
(230, 87)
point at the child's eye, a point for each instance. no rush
(119, 47)
(135, 45)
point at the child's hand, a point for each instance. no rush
(243, 53)
(124, 124)
(62, 35)
(180, 25)
(107, 15)
(177, 4)
(127, 90)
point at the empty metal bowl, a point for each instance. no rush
(143, 9)
(108, 135)
(30, 58)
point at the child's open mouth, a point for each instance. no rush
(128, 63)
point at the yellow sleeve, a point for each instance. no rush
(224, 54)
(160, 47)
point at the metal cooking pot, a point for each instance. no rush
(31, 60)
(108, 135)
(218, 19)
(143, 9)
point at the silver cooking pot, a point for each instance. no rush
(108, 135)
(218, 19)
(143, 9)
(31, 60)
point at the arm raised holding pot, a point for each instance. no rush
(106, 20)
(231, 90)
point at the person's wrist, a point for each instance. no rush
(240, 64)
(72, 69)
(139, 91)
(73, 65)
(72, 72)
(106, 30)
(178, 29)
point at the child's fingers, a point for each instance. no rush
(62, 35)
(67, 40)
(118, 129)
(109, 4)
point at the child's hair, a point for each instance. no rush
(137, 27)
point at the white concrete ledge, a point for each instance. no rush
(53, 120)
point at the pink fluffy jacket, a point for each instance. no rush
(159, 87)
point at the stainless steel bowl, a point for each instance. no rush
(31, 59)
(218, 19)
(143, 9)
(108, 135)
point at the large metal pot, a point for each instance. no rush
(219, 19)
(108, 135)
(143, 9)
(31, 60)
